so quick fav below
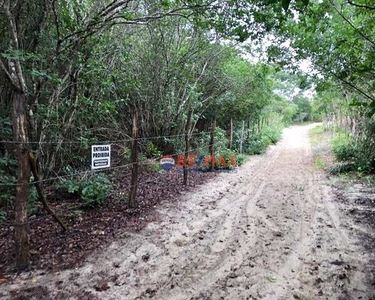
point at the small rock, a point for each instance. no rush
(146, 257)
(337, 262)
(101, 286)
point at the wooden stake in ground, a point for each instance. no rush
(242, 135)
(39, 189)
(211, 146)
(134, 158)
(231, 134)
(187, 141)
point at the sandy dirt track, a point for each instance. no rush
(269, 231)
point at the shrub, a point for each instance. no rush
(7, 179)
(152, 151)
(227, 155)
(258, 143)
(344, 148)
(353, 155)
(92, 190)
(241, 158)
(3, 216)
(71, 185)
(153, 165)
(96, 190)
(33, 206)
(273, 134)
(342, 168)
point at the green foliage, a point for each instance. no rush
(96, 190)
(344, 148)
(273, 133)
(152, 151)
(227, 156)
(126, 153)
(8, 164)
(7, 193)
(316, 135)
(34, 205)
(353, 155)
(304, 110)
(259, 142)
(71, 184)
(342, 168)
(241, 159)
(256, 144)
(289, 113)
(3, 216)
(92, 190)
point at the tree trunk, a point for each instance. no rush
(134, 159)
(21, 226)
(187, 141)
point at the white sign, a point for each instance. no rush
(100, 156)
(167, 163)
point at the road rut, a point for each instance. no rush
(268, 231)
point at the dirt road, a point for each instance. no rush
(269, 231)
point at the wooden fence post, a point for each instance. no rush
(134, 158)
(242, 135)
(231, 134)
(211, 146)
(187, 141)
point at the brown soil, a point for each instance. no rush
(90, 229)
(273, 230)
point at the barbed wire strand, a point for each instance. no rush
(101, 170)
(127, 187)
(107, 142)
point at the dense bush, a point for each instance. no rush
(7, 181)
(258, 143)
(92, 190)
(151, 151)
(96, 190)
(353, 155)
(34, 206)
(8, 164)
(344, 148)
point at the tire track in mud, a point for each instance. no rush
(225, 262)
(268, 231)
(223, 239)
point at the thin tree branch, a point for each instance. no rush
(353, 86)
(95, 25)
(352, 25)
(57, 26)
(361, 5)
(2, 66)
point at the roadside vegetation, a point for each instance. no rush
(156, 78)
(150, 79)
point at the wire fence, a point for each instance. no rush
(86, 172)
(107, 142)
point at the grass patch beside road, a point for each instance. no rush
(320, 140)
(316, 135)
